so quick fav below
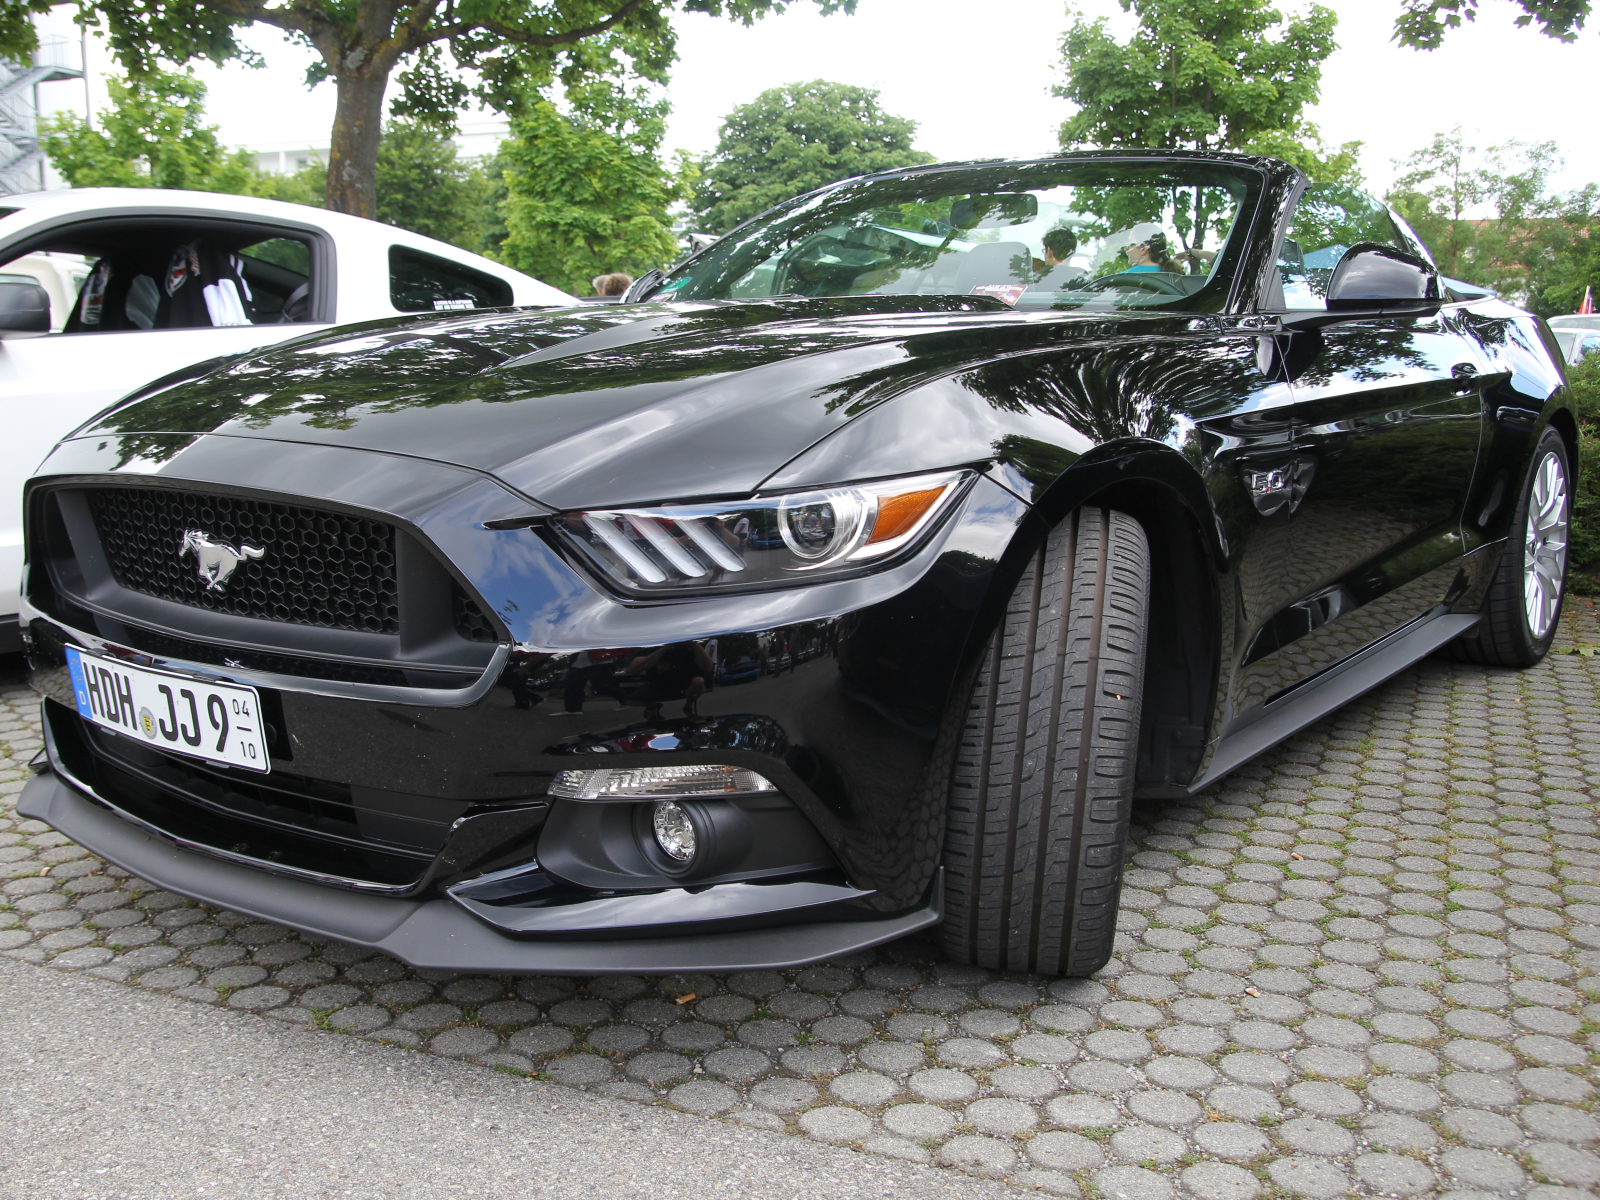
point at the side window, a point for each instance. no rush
(422, 283)
(149, 274)
(278, 272)
(1327, 221)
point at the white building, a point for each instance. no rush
(22, 162)
(475, 139)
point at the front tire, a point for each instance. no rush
(1523, 607)
(1042, 784)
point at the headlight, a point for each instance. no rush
(765, 541)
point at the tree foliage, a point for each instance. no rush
(1491, 219)
(510, 49)
(793, 139)
(152, 136)
(19, 38)
(586, 191)
(424, 186)
(1200, 74)
(1422, 24)
(1584, 549)
(1303, 147)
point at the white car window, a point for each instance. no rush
(160, 273)
(421, 282)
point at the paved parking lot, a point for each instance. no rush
(1363, 965)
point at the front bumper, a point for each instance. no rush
(438, 934)
(397, 803)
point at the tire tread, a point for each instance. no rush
(1042, 780)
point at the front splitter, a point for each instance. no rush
(438, 934)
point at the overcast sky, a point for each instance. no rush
(977, 79)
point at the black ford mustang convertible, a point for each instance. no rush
(855, 577)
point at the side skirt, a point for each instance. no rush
(1308, 702)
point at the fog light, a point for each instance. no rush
(651, 783)
(674, 832)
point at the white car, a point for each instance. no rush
(112, 265)
(1577, 335)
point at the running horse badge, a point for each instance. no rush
(217, 560)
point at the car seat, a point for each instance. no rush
(103, 300)
(204, 286)
(1060, 278)
(297, 307)
(200, 286)
(993, 262)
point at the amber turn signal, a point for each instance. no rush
(897, 514)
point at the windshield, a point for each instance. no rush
(1087, 234)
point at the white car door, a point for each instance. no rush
(50, 385)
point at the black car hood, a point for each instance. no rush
(593, 406)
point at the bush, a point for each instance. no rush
(1584, 550)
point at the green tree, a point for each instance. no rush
(586, 192)
(491, 222)
(790, 140)
(151, 136)
(308, 185)
(154, 135)
(1584, 548)
(1200, 74)
(1490, 218)
(1303, 147)
(425, 187)
(1205, 75)
(1571, 258)
(1422, 24)
(1438, 186)
(511, 49)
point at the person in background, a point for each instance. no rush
(1059, 245)
(592, 671)
(679, 669)
(611, 285)
(1151, 255)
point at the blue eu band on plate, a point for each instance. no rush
(214, 721)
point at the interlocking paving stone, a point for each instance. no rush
(1362, 965)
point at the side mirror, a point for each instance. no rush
(24, 307)
(1374, 276)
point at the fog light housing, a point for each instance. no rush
(659, 783)
(675, 832)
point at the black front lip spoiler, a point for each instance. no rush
(439, 934)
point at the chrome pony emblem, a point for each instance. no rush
(217, 560)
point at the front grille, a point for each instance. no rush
(319, 568)
(470, 621)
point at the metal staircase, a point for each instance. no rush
(21, 157)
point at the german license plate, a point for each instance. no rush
(218, 722)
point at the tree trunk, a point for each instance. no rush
(357, 129)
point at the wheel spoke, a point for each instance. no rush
(1544, 547)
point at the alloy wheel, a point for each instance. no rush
(1544, 553)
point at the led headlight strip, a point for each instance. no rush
(771, 540)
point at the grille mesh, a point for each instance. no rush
(320, 568)
(470, 621)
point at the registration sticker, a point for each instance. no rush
(218, 722)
